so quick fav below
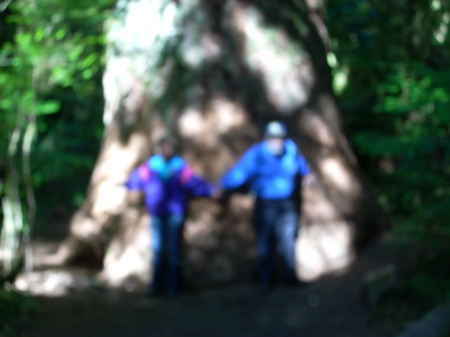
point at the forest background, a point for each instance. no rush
(390, 62)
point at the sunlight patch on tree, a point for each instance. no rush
(282, 63)
(323, 249)
(334, 170)
(224, 114)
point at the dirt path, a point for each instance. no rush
(329, 307)
(234, 311)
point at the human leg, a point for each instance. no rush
(157, 228)
(174, 236)
(264, 218)
(285, 232)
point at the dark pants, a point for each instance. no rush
(276, 224)
(166, 246)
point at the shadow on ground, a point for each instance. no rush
(332, 306)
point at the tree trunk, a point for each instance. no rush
(213, 73)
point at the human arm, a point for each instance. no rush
(242, 171)
(195, 185)
(303, 166)
(308, 177)
(138, 178)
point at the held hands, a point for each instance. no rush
(217, 194)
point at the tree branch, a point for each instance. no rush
(4, 5)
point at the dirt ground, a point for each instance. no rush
(333, 306)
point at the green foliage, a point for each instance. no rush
(14, 310)
(433, 279)
(50, 77)
(396, 103)
(396, 62)
(50, 73)
(51, 62)
(421, 285)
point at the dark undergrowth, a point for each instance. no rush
(15, 309)
(423, 285)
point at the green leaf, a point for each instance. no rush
(47, 108)
(60, 34)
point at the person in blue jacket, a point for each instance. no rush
(167, 182)
(272, 168)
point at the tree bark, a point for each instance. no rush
(213, 73)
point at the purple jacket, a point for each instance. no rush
(167, 185)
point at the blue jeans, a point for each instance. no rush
(276, 224)
(166, 246)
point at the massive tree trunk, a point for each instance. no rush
(212, 73)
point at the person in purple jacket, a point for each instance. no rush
(167, 182)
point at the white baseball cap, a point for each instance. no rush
(275, 130)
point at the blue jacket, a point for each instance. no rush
(167, 184)
(270, 177)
